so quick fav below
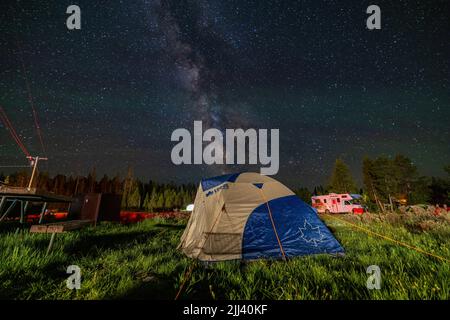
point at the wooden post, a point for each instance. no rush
(50, 245)
(376, 198)
(34, 162)
(390, 202)
(380, 205)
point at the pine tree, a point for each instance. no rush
(304, 194)
(116, 185)
(341, 180)
(146, 203)
(91, 180)
(42, 181)
(153, 200)
(179, 200)
(127, 185)
(134, 199)
(160, 202)
(368, 179)
(168, 199)
(104, 184)
(405, 174)
(447, 169)
(186, 198)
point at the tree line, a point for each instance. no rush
(136, 194)
(386, 181)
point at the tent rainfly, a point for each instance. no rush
(250, 216)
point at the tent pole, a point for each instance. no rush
(273, 225)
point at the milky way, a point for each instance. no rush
(191, 69)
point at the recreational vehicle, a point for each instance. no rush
(337, 203)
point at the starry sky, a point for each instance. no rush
(110, 95)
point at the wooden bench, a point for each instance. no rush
(59, 227)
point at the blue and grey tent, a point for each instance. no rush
(250, 216)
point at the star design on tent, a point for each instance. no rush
(311, 234)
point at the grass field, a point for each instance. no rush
(140, 261)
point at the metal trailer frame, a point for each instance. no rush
(24, 196)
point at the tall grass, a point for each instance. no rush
(140, 261)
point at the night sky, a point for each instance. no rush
(110, 95)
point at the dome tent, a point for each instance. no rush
(250, 216)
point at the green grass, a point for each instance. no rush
(140, 261)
